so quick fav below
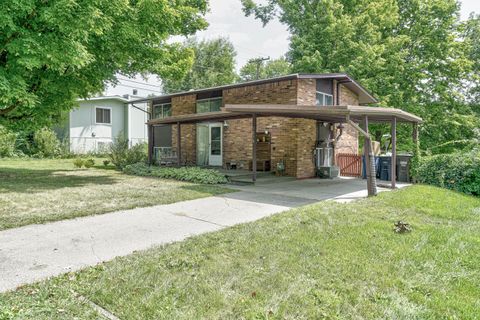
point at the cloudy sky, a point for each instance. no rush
(248, 36)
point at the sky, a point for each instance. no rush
(249, 37)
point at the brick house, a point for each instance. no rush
(296, 114)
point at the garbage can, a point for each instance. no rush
(385, 165)
(403, 167)
(364, 167)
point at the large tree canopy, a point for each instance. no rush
(214, 65)
(411, 54)
(271, 68)
(52, 52)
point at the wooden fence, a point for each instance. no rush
(350, 164)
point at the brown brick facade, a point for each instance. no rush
(348, 142)
(185, 105)
(292, 140)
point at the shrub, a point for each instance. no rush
(106, 163)
(7, 143)
(121, 155)
(46, 143)
(78, 162)
(190, 174)
(89, 163)
(456, 171)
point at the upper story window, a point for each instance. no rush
(209, 105)
(103, 115)
(161, 111)
(324, 92)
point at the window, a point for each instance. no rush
(161, 111)
(324, 92)
(209, 105)
(103, 115)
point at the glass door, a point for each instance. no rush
(215, 150)
(202, 144)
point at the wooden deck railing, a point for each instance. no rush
(350, 164)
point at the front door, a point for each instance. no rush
(215, 145)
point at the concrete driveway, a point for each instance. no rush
(292, 193)
(35, 252)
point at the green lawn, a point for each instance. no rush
(332, 261)
(37, 191)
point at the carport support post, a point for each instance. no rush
(150, 144)
(179, 144)
(393, 166)
(254, 147)
(370, 162)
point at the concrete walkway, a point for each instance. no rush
(35, 252)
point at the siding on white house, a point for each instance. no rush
(86, 135)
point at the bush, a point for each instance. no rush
(456, 171)
(78, 163)
(190, 174)
(7, 143)
(46, 143)
(121, 155)
(89, 163)
(106, 163)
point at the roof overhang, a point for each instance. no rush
(336, 114)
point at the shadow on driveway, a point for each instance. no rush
(295, 193)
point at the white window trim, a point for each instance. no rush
(324, 95)
(161, 105)
(111, 116)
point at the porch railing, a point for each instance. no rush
(165, 156)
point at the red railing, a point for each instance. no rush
(350, 164)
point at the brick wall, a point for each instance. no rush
(292, 140)
(185, 105)
(348, 142)
(237, 138)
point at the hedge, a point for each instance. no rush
(456, 171)
(190, 174)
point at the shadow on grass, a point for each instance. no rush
(28, 180)
(212, 189)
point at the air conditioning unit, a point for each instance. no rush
(328, 172)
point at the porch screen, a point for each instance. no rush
(202, 144)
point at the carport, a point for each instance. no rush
(352, 115)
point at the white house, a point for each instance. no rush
(96, 122)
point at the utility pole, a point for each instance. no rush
(258, 62)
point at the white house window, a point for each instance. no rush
(324, 92)
(209, 105)
(103, 115)
(161, 111)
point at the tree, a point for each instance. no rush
(269, 69)
(472, 36)
(52, 52)
(408, 53)
(214, 65)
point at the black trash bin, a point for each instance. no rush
(385, 165)
(403, 167)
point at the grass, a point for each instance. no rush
(38, 191)
(325, 261)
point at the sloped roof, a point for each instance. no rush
(363, 95)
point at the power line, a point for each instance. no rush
(125, 85)
(142, 83)
(259, 62)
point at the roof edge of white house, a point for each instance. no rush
(115, 97)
